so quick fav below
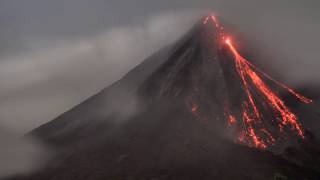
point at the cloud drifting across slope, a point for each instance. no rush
(40, 86)
(20, 155)
(54, 54)
(53, 65)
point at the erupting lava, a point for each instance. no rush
(252, 129)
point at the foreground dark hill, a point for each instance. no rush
(166, 119)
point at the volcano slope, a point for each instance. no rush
(186, 112)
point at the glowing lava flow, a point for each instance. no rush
(246, 72)
(300, 97)
(231, 119)
(254, 133)
(206, 20)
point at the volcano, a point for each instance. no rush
(196, 109)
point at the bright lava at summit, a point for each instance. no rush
(252, 130)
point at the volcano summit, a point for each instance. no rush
(197, 109)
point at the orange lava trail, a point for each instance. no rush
(214, 19)
(231, 119)
(258, 142)
(299, 96)
(253, 131)
(206, 20)
(244, 68)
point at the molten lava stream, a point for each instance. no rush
(253, 131)
(286, 116)
(299, 96)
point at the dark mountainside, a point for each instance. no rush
(166, 119)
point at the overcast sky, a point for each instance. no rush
(56, 53)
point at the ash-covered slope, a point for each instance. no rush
(169, 118)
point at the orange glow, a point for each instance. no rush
(206, 20)
(286, 116)
(299, 96)
(231, 120)
(257, 142)
(213, 18)
(270, 139)
(194, 108)
(253, 129)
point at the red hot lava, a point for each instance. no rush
(253, 131)
(231, 120)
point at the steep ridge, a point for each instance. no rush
(179, 115)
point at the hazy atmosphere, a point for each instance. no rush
(55, 54)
